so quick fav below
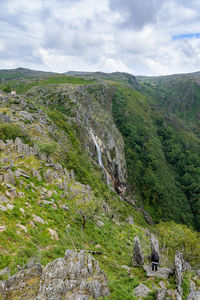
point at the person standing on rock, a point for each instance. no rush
(155, 261)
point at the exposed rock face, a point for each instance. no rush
(161, 273)
(154, 245)
(91, 110)
(76, 276)
(194, 296)
(138, 258)
(23, 285)
(141, 291)
(161, 294)
(179, 271)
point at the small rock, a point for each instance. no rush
(10, 206)
(17, 173)
(8, 185)
(22, 227)
(2, 228)
(49, 194)
(3, 198)
(36, 173)
(192, 286)
(22, 210)
(141, 290)
(130, 221)
(48, 175)
(65, 207)
(9, 177)
(45, 202)
(7, 194)
(54, 206)
(53, 234)
(38, 219)
(3, 208)
(13, 193)
(106, 208)
(198, 273)
(99, 223)
(147, 232)
(5, 272)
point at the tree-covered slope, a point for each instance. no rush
(162, 158)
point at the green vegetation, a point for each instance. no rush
(11, 131)
(48, 148)
(22, 86)
(7, 89)
(148, 171)
(176, 237)
(163, 175)
(163, 163)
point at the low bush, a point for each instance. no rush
(12, 131)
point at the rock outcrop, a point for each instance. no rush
(154, 245)
(23, 285)
(76, 276)
(194, 296)
(141, 291)
(138, 258)
(179, 271)
(161, 294)
(161, 273)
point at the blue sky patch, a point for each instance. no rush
(185, 36)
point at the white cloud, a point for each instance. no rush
(94, 35)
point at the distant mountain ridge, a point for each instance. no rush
(8, 74)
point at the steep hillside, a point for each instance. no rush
(178, 96)
(82, 162)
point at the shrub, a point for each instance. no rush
(48, 148)
(7, 89)
(12, 131)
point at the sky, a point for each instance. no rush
(141, 37)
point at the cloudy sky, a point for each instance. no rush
(149, 37)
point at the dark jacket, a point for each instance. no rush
(155, 257)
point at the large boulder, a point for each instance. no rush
(138, 258)
(161, 273)
(76, 276)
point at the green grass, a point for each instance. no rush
(23, 86)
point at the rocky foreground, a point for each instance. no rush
(76, 276)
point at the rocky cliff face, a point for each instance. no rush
(89, 107)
